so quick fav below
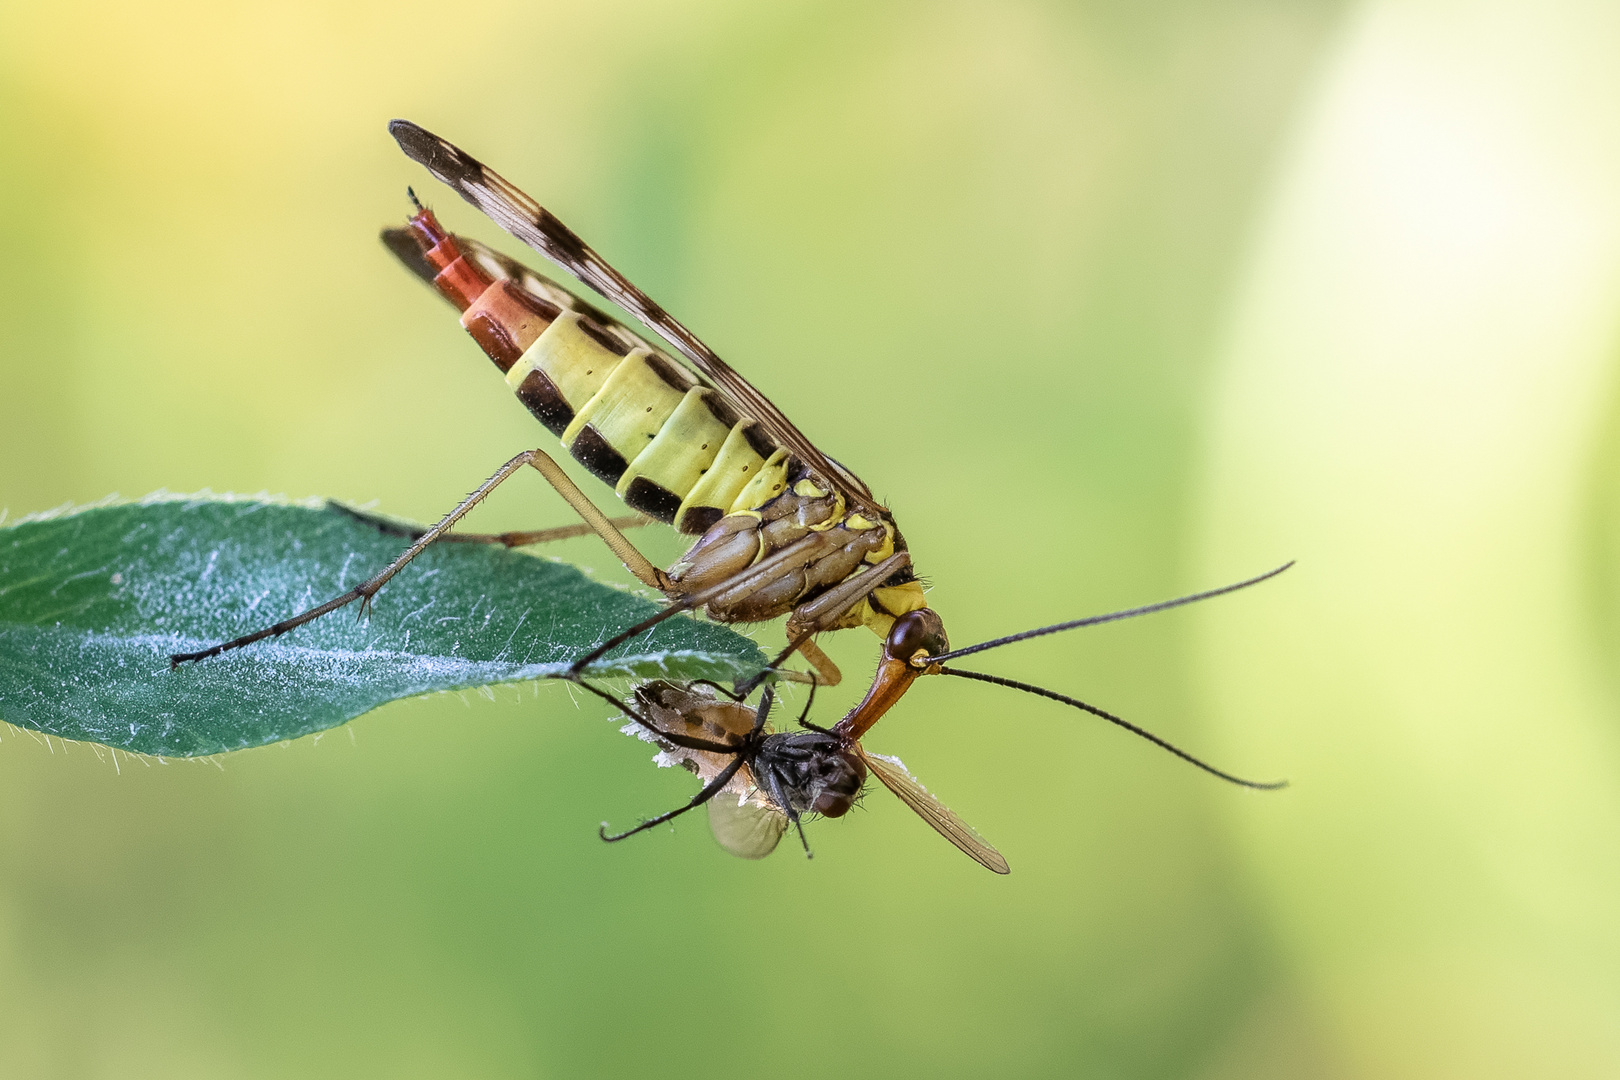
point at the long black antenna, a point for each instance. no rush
(1113, 616)
(1126, 724)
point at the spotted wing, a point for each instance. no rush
(536, 226)
(895, 777)
(748, 831)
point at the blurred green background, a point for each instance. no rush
(1109, 300)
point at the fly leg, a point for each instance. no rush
(598, 522)
(713, 787)
(709, 791)
(773, 785)
(389, 527)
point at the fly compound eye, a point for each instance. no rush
(842, 787)
(917, 631)
(830, 804)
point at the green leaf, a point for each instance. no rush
(93, 602)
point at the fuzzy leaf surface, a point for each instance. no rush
(93, 602)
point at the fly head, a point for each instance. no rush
(809, 771)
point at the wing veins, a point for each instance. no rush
(897, 779)
(517, 213)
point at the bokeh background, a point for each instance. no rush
(1110, 300)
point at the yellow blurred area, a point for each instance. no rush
(1418, 390)
(1110, 302)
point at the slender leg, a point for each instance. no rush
(762, 713)
(709, 791)
(779, 797)
(809, 700)
(826, 672)
(822, 613)
(713, 787)
(733, 588)
(506, 539)
(825, 610)
(633, 560)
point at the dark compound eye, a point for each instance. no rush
(921, 630)
(834, 804)
(842, 787)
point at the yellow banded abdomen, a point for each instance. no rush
(623, 418)
(715, 494)
(675, 450)
(563, 369)
(766, 483)
(673, 462)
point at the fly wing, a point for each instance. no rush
(538, 227)
(748, 830)
(893, 773)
